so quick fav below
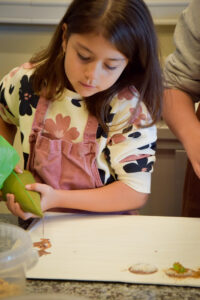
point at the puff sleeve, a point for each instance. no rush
(9, 98)
(130, 148)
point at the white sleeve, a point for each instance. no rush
(131, 149)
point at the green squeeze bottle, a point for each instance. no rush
(14, 183)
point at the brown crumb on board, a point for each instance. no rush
(43, 245)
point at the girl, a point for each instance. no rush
(86, 108)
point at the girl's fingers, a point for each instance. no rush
(17, 169)
(15, 208)
(38, 187)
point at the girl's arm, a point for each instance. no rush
(113, 197)
(116, 196)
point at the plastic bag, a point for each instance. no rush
(8, 159)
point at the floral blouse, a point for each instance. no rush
(126, 153)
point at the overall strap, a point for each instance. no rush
(41, 109)
(90, 129)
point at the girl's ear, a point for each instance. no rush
(64, 43)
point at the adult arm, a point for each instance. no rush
(179, 114)
(182, 76)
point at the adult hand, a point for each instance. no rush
(47, 200)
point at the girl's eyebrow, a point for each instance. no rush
(112, 59)
(84, 48)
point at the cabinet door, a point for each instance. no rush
(167, 183)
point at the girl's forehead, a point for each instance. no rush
(96, 43)
(93, 41)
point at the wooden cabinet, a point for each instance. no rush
(168, 176)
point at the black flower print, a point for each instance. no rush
(11, 89)
(2, 96)
(144, 147)
(107, 154)
(102, 175)
(141, 165)
(153, 146)
(76, 102)
(100, 132)
(110, 179)
(110, 115)
(3, 100)
(27, 97)
(22, 137)
(135, 135)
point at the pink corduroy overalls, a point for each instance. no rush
(63, 164)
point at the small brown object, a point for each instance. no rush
(43, 245)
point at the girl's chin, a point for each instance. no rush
(84, 93)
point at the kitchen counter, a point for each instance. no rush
(106, 290)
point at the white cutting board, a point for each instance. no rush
(103, 247)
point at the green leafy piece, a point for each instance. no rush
(8, 159)
(179, 268)
(28, 200)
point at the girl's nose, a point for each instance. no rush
(92, 71)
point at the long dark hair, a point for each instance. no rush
(128, 25)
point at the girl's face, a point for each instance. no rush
(92, 64)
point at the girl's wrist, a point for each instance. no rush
(58, 199)
(51, 201)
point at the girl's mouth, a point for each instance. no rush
(87, 85)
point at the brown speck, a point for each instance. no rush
(43, 245)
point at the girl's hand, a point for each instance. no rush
(47, 200)
(16, 210)
(47, 193)
(18, 170)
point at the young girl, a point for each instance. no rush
(86, 108)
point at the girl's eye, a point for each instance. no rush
(110, 68)
(84, 58)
